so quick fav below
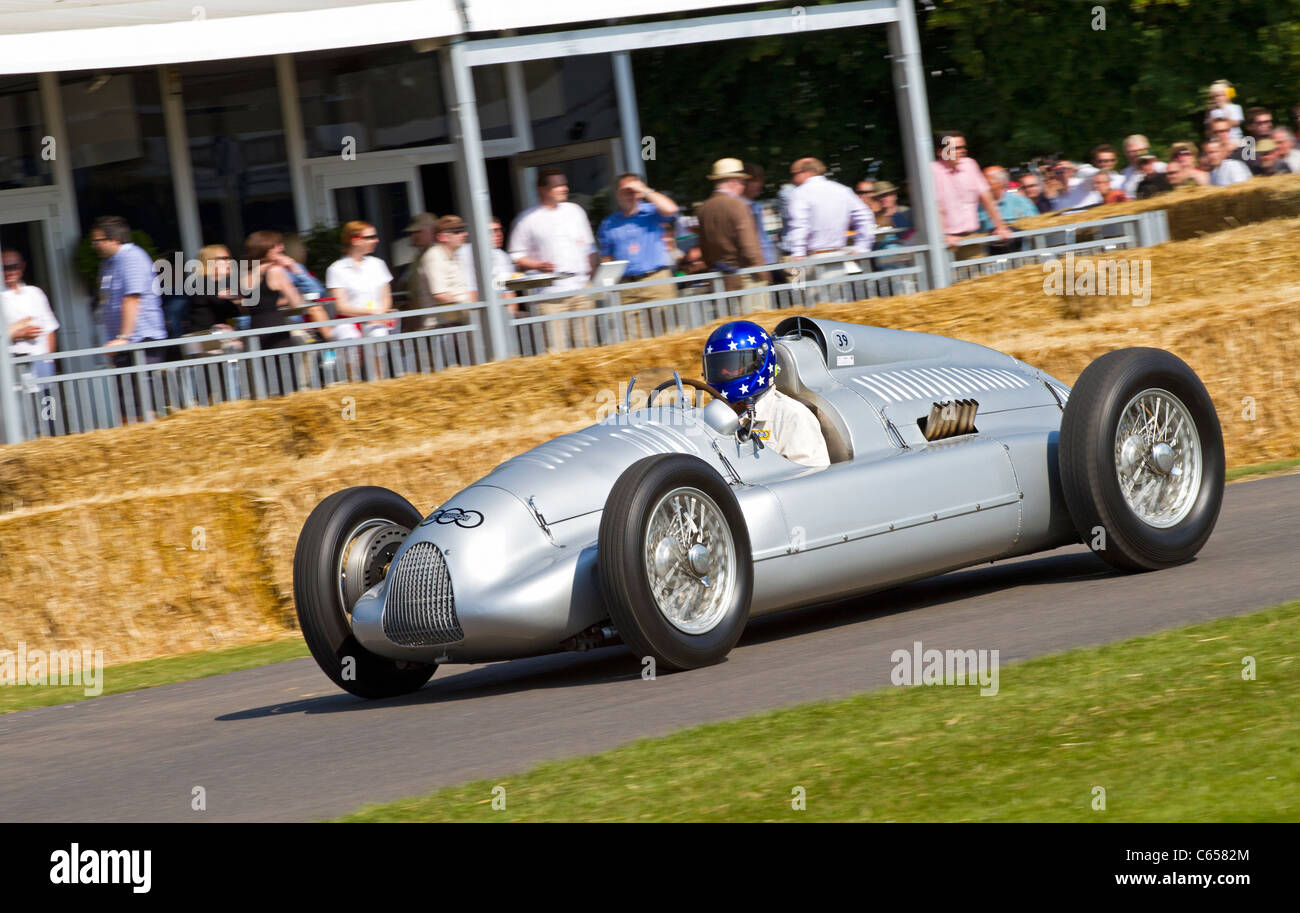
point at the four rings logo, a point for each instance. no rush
(465, 519)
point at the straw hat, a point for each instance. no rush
(725, 169)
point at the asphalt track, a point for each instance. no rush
(281, 743)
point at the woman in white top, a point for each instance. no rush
(359, 283)
(26, 316)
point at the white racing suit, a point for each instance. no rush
(790, 427)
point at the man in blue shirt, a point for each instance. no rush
(1011, 206)
(130, 309)
(635, 233)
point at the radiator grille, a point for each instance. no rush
(420, 610)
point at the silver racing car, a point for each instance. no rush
(667, 527)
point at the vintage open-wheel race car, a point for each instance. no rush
(669, 526)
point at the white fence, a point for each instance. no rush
(163, 377)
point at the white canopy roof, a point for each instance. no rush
(39, 36)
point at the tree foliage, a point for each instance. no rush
(1023, 78)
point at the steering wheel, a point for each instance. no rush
(698, 385)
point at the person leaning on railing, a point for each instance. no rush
(275, 289)
(359, 282)
(25, 314)
(218, 308)
(130, 309)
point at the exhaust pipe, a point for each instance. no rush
(949, 419)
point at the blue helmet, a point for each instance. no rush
(739, 361)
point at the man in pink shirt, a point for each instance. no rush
(960, 189)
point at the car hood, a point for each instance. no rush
(572, 475)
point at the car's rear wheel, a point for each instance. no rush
(675, 563)
(1141, 459)
(346, 547)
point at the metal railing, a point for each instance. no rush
(158, 379)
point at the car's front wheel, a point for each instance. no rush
(345, 548)
(675, 563)
(1141, 459)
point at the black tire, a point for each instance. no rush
(324, 618)
(1087, 459)
(625, 581)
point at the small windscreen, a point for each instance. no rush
(733, 363)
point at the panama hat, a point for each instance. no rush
(724, 169)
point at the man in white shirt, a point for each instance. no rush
(502, 266)
(1076, 192)
(822, 213)
(27, 318)
(1135, 146)
(1223, 171)
(555, 236)
(1103, 158)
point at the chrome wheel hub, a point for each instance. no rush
(365, 558)
(690, 560)
(1158, 458)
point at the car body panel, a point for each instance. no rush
(518, 547)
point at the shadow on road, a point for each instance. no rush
(615, 664)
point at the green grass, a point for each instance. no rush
(150, 673)
(1276, 467)
(1165, 723)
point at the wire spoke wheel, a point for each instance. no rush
(1141, 462)
(690, 560)
(1158, 458)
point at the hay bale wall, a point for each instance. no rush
(96, 530)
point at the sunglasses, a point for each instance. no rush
(11, 267)
(368, 237)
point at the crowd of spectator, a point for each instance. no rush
(750, 239)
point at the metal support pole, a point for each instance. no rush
(178, 155)
(918, 146)
(629, 120)
(295, 145)
(469, 146)
(9, 424)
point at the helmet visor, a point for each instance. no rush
(720, 367)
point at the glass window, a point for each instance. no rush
(237, 151)
(571, 100)
(387, 97)
(493, 102)
(24, 161)
(119, 155)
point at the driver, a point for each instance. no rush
(740, 363)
